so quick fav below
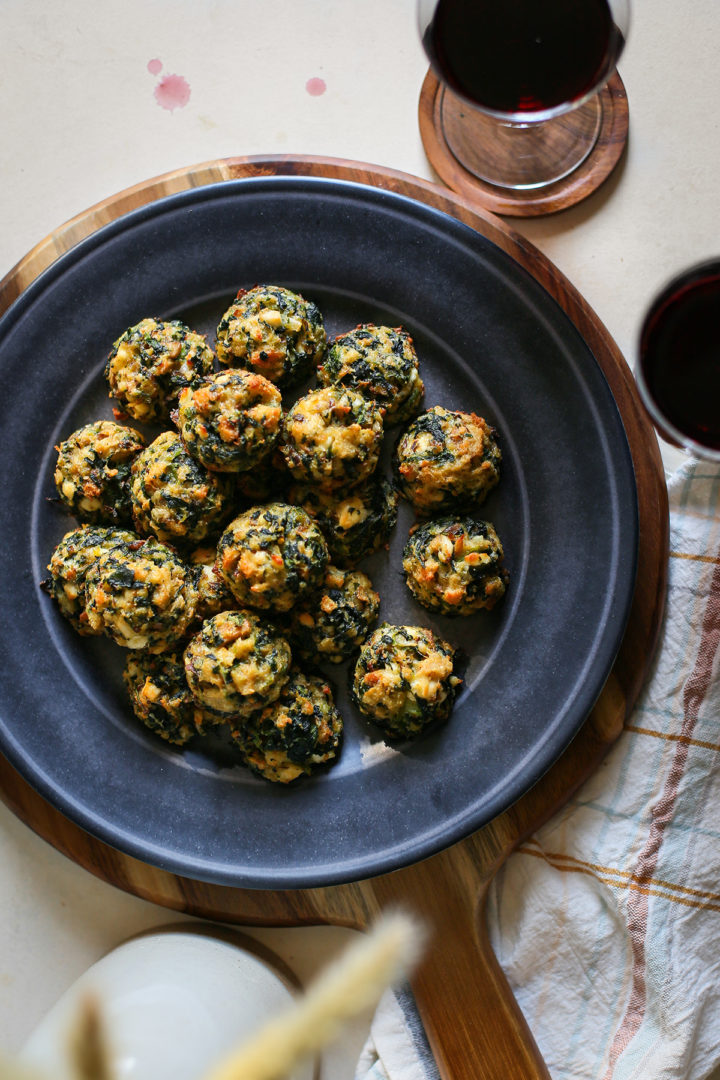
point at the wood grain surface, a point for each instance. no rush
(451, 134)
(474, 1026)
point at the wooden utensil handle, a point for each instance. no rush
(474, 1025)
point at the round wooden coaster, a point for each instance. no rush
(529, 202)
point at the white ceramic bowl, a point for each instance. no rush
(175, 1001)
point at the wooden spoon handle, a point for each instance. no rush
(474, 1025)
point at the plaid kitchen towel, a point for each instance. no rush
(607, 922)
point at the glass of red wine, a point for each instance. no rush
(521, 81)
(678, 366)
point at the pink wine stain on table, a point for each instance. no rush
(172, 91)
(315, 86)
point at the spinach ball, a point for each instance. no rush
(230, 421)
(455, 565)
(269, 556)
(332, 623)
(174, 497)
(272, 331)
(151, 362)
(142, 597)
(299, 732)
(78, 551)
(355, 523)
(236, 664)
(380, 362)
(161, 699)
(332, 438)
(404, 679)
(92, 473)
(447, 460)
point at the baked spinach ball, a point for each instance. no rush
(380, 362)
(151, 362)
(446, 460)
(333, 622)
(272, 331)
(269, 556)
(236, 664)
(332, 438)
(174, 497)
(142, 597)
(212, 594)
(70, 562)
(297, 733)
(455, 565)
(403, 679)
(230, 421)
(161, 699)
(92, 472)
(356, 523)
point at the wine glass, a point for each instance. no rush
(678, 368)
(521, 105)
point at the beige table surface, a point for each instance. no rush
(81, 120)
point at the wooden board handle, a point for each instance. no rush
(473, 1022)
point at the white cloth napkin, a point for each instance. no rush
(607, 922)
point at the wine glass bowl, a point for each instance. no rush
(520, 82)
(678, 363)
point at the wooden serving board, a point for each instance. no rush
(474, 1026)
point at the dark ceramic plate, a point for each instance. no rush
(490, 340)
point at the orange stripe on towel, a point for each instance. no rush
(673, 737)
(695, 558)
(625, 879)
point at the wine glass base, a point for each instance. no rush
(523, 170)
(521, 157)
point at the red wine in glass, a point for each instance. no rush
(679, 363)
(523, 56)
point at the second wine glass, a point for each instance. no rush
(678, 368)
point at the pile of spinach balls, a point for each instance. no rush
(221, 553)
